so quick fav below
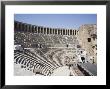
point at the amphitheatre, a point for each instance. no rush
(46, 51)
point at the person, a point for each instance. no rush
(79, 58)
(93, 60)
(83, 59)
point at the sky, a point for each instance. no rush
(70, 21)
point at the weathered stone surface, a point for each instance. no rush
(87, 37)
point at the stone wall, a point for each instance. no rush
(87, 37)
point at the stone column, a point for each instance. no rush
(17, 27)
(65, 31)
(75, 32)
(46, 31)
(57, 31)
(53, 31)
(39, 29)
(30, 28)
(20, 26)
(35, 29)
(42, 29)
(72, 31)
(25, 27)
(50, 30)
(61, 31)
(69, 31)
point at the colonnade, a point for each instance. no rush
(19, 26)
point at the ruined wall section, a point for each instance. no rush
(87, 37)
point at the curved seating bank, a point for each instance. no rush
(43, 50)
